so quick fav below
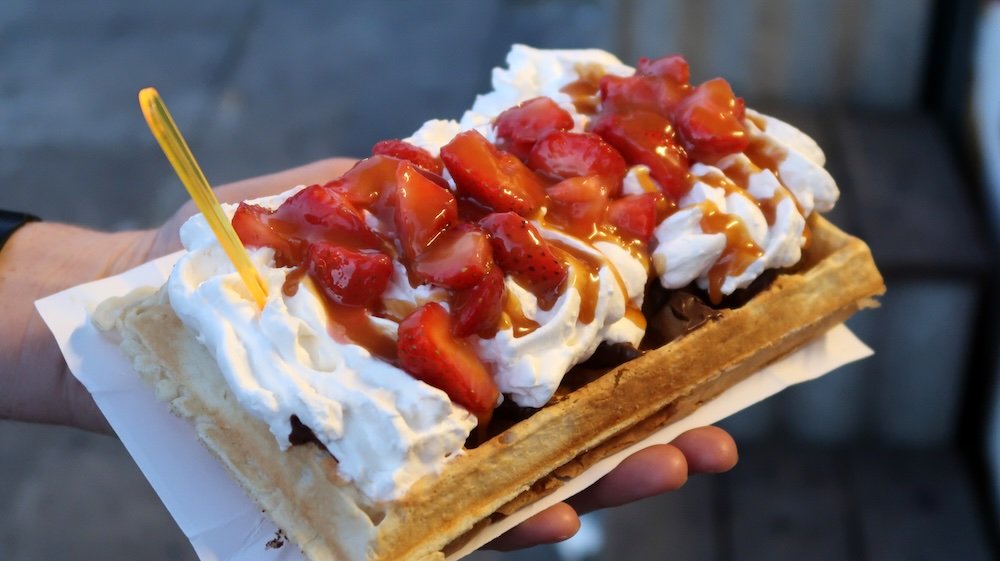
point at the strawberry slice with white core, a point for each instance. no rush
(649, 139)
(477, 309)
(521, 251)
(519, 127)
(634, 216)
(347, 277)
(493, 178)
(429, 351)
(710, 121)
(459, 258)
(423, 210)
(561, 155)
(405, 151)
(578, 204)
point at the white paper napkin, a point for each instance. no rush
(211, 509)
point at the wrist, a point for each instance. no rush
(39, 259)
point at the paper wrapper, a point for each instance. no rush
(212, 510)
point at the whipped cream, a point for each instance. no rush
(385, 428)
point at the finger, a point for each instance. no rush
(557, 523)
(708, 450)
(648, 472)
(321, 171)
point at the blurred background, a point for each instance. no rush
(895, 458)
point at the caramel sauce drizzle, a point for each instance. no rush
(354, 325)
(584, 90)
(759, 121)
(291, 285)
(740, 249)
(513, 317)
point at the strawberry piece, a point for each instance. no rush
(649, 139)
(578, 204)
(477, 309)
(406, 151)
(671, 67)
(710, 121)
(318, 213)
(568, 154)
(520, 250)
(494, 178)
(370, 181)
(423, 210)
(655, 94)
(634, 216)
(459, 258)
(429, 352)
(253, 227)
(347, 277)
(519, 127)
(314, 213)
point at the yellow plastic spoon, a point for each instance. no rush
(190, 174)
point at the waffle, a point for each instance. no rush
(329, 519)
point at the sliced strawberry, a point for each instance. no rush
(347, 277)
(649, 139)
(656, 94)
(370, 181)
(495, 179)
(459, 258)
(710, 121)
(477, 309)
(578, 204)
(252, 225)
(406, 151)
(423, 210)
(568, 154)
(520, 250)
(672, 67)
(429, 352)
(519, 127)
(634, 216)
(318, 213)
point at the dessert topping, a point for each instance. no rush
(430, 352)
(491, 177)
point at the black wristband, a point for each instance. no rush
(10, 221)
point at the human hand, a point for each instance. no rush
(652, 471)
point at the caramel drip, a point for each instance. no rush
(740, 249)
(645, 181)
(766, 155)
(586, 276)
(738, 174)
(636, 316)
(291, 285)
(514, 318)
(584, 90)
(759, 121)
(350, 324)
